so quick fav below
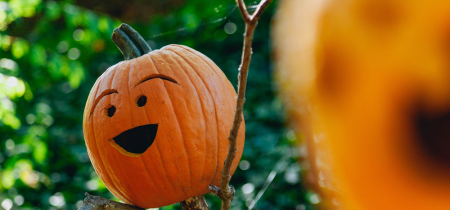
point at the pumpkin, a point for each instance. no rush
(367, 83)
(156, 124)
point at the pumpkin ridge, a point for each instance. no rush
(201, 104)
(215, 113)
(214, 70)
(130, 96)
(146, 166)
(162, 159)
(163, 52)
(181, 132)
(148, 122)
(110, 172)
(169, 53)
(112, 178)
(115, 153)
(161, 118)
(223, 79)
(130, 100)
(157, 147)
(112, 186)
(147, 119)
(94, 143)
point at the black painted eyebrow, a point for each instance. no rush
(154, 76)
(104, 93)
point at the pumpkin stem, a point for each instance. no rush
(130, 42)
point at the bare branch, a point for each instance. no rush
(92, 202)
(243, 10)
(226, 192)
(195, 203)
(259, 10)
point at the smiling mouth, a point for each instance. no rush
(136, 141)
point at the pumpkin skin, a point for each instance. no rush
(368, 82)
(193, 116)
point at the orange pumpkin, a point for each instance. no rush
(156, 125)
(368, 80)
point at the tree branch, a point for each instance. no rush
(92, 202)
(243, 10)
(195, 203)
(226, 192)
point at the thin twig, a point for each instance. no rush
(92, 202)
(243, 10)
(226, 192)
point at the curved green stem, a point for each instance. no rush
(130, 42)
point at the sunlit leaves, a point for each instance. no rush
(16, 9)
(8, 119)
(19, 48)
(72, 15)
(58, 66)
(11, 86)
(104, 24)
(52, 10)
(5, 42)
(76, 74)
(40, 151)
(7, 179)
(26, 173)
(38, 55)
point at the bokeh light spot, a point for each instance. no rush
(244, 165)
(8, 64)
(62, 47)
(9, 144)
(57, 200)
(74, 53)
(248, 188)
(12, 82)
(7, 204)
(30, 118)
(291, 135)
(78, 34)
(230, 28)
(19, 200)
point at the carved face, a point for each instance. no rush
(156, 126)
(136, 140)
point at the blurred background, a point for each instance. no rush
(51, 54)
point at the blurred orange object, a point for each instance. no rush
(368, 83)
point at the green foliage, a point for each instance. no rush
(52, 53)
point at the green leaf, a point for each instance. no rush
(10, 120)
(38, 55)
(76, 74)
(7, 179)
(19, 48)
(40, 151)
(53, 10)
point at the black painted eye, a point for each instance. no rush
(110, 111)
(141, 101)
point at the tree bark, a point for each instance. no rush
(195, 203)
(92, 202)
